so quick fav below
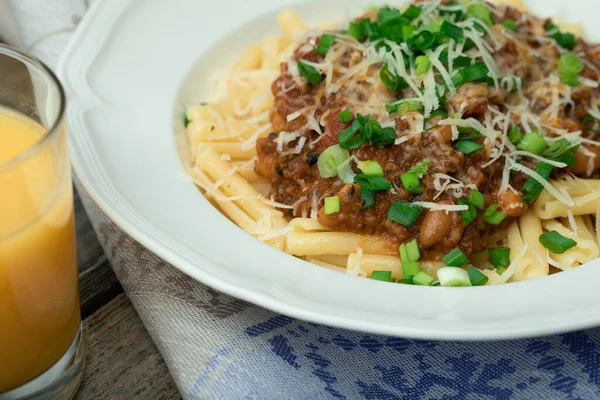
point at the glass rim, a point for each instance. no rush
(30, 60)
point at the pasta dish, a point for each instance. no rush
(441, 143)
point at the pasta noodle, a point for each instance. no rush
(223, 135)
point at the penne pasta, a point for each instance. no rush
(223, 137)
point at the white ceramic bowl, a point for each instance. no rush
(132, 63)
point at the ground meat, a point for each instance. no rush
(295, 175)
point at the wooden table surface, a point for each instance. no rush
(122, 362)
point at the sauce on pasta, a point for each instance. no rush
(463, 133)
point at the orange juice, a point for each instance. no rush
(39, 299)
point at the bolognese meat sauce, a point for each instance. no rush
(446, 122)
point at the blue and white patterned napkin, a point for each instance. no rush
(218, 347)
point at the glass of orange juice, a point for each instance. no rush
(41, 350)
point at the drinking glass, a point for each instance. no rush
(41, 348)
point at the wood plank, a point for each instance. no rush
(122, 361)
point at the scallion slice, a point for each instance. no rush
(476, 198)
(510, 24)
(452, 31)
(372, 182)
(569, 67)
(532, 188)
(332, 205)
(476, 277)
(455, 258)
(309, 73)
(533, 143)
(325, 43)
(367, 197)
(422, 41)
(391, 80)
(357, 31)
(384, 276)
(410, 180)
(475, 73)
(330, 159)
(346, 116)
(468, 146)
(515, 135)
(422, 65)
(404, 213)
(499, 256)
(423, 279)
(453, 277)
(481, 12)
(404, 106)
(412, 12)
(412, 248)
(371, 168)
(410, 269)
(492, 216)
(556, 243)
(469, 215)
(352, 137)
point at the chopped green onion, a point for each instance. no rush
(406, 281)
(569, 68)
(386, 14)
(410, 180)
(532, 188)
(412, 12)
(475, 73)
(357, 31)
(500, 270)
(410, 268)
(325, 43)
(452, 31)
(423, 279)
(556, 243)
(352, 137)
(422, 41)
(309, 73)
(566, 40)
(481, 12)
(532, 143)
(422, 64)
(391, 80)
(330, 159)
(346, 116)
(469, 215)
(476, 198)
(476, 277)
(367, 197)
(453, 277)
(186, 121)
(332, 205)
(421, 168)
(404, 106)
(499, 256)
(558, 148)
(372, 182)
(385, 276)
(455, 258)
(492, 216)
(383, 138)
(404, 213)
(408, 31)
(410, 251)
(371, 168)
(468, 146)
(510, 24)
(514, 135)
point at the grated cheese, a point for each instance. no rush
(551, 189)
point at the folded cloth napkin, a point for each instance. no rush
(218, 347)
